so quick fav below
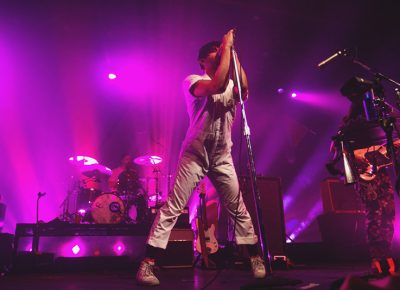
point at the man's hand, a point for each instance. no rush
(227, 39)
(220, 79)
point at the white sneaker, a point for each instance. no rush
(145, 274)
(257, 266)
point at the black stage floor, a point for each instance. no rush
(311, 276)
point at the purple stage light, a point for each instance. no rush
(119, 248)
(311, 216)
(293, 95)
(324, 100)
(291, 238)
(280, 90)
(112, 76)
(82, 211)
(286, 201)
(76, 249)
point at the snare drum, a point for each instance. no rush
(108, 209)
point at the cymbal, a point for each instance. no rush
(148, 160)
(82, 160)
(95, 169)
(154, 197)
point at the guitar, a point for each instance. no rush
(206, 242)
(370, 160)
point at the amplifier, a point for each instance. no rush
(6, 249)
(340, 198)
(179, 252)
(272, 211)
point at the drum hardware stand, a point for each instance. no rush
(156, 172)
(35, 240)
(253, 174)
(73, 189)
(65, 205)
(169, 182)
(125, 214)
(66, 216)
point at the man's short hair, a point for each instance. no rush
(207, 48)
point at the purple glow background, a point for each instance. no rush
(56, 99)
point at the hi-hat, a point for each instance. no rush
(148, 160)
(82, 160)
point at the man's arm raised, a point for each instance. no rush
(219, 82)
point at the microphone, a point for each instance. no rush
(40, 194)
(234, 36)
(342, 52)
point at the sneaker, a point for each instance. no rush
(257, 266)
(376, 267)
(145, 274)
(383, 267)
(392, 266)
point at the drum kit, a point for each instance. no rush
(89, 199)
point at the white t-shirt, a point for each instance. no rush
(209, 116)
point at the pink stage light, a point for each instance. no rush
(82, 211)
(76, 249)
(119, 248)
(324, 100)
(293, 95)
(112, 76)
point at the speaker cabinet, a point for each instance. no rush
(179, 252)
(272, 211)
(6, 249)
(340, 198)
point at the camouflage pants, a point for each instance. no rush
(378, 197)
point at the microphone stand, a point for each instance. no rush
(253, 175)
(35, 241)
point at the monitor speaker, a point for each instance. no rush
(272, 211)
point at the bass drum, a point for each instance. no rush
(108, 209)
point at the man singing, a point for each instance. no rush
(211, 103)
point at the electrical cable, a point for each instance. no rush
(212, 280)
